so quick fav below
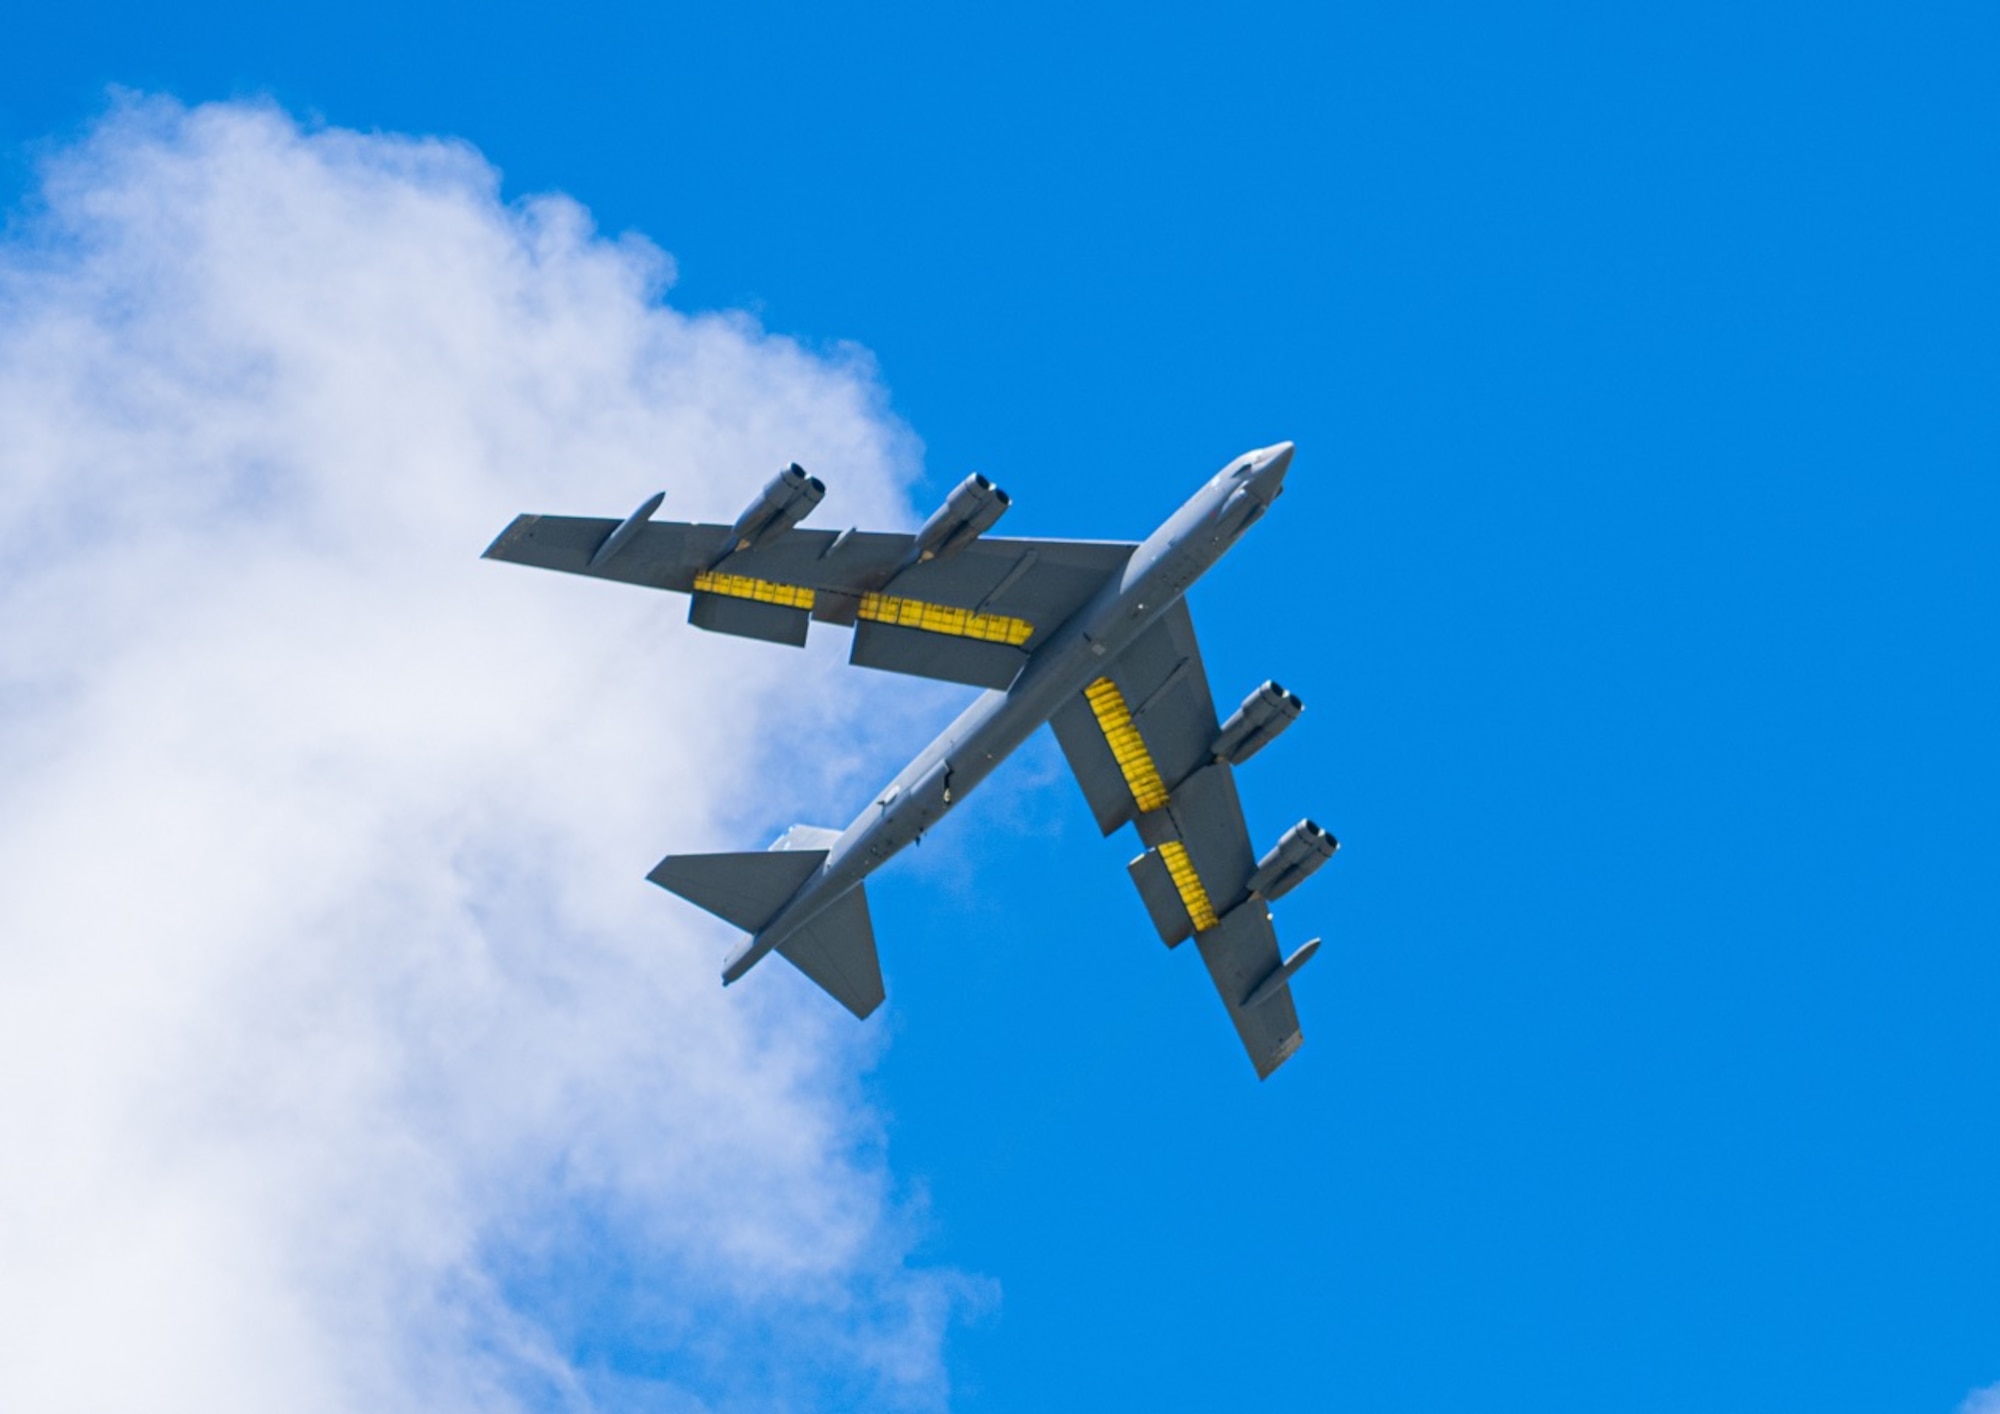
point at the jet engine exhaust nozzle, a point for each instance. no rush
(971, 510)
(782, 504)
(1256, 724)
(1303, 850)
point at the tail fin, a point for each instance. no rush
(746, 889)
(837, 950)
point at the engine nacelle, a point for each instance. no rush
(782, 504)
(967, 513)
(1256, 724)
(1304, 848)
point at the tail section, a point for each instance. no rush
(835, 948)
(746, 889)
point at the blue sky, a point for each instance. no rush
(1637, 571)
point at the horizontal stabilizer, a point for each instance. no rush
(837, 950)
(746, 889)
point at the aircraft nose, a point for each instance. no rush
(1268, 478)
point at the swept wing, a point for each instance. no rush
(972, 617)
(1140, 740)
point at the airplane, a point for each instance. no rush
(1090, 636)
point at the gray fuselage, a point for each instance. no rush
(965, 753)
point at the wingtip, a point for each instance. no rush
(1285, 1050)
(516, 528)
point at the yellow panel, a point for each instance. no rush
(1114, 718)
(1181, 870)
(942, 618)
(764, 591)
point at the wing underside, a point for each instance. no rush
(971, 617)
(1139, 740)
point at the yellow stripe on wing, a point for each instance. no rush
(1127, 746)
(942, 618)
(1181, 870)
(1149, 792)
(764, 591)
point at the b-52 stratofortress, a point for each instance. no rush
(1091, 636)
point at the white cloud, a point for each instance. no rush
(1982, 1401)
(346, 1060)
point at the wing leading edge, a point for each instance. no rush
(1140, 740)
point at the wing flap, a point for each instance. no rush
(1088, 752)
(1170, 908)
(920, 653)
(748, 618)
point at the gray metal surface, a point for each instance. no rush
(746, 889)
(745, 618)
(1091, 636)
(928, 655)
(1235, 951)
(1042, 581)
(837, 950)
(1164, 904)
